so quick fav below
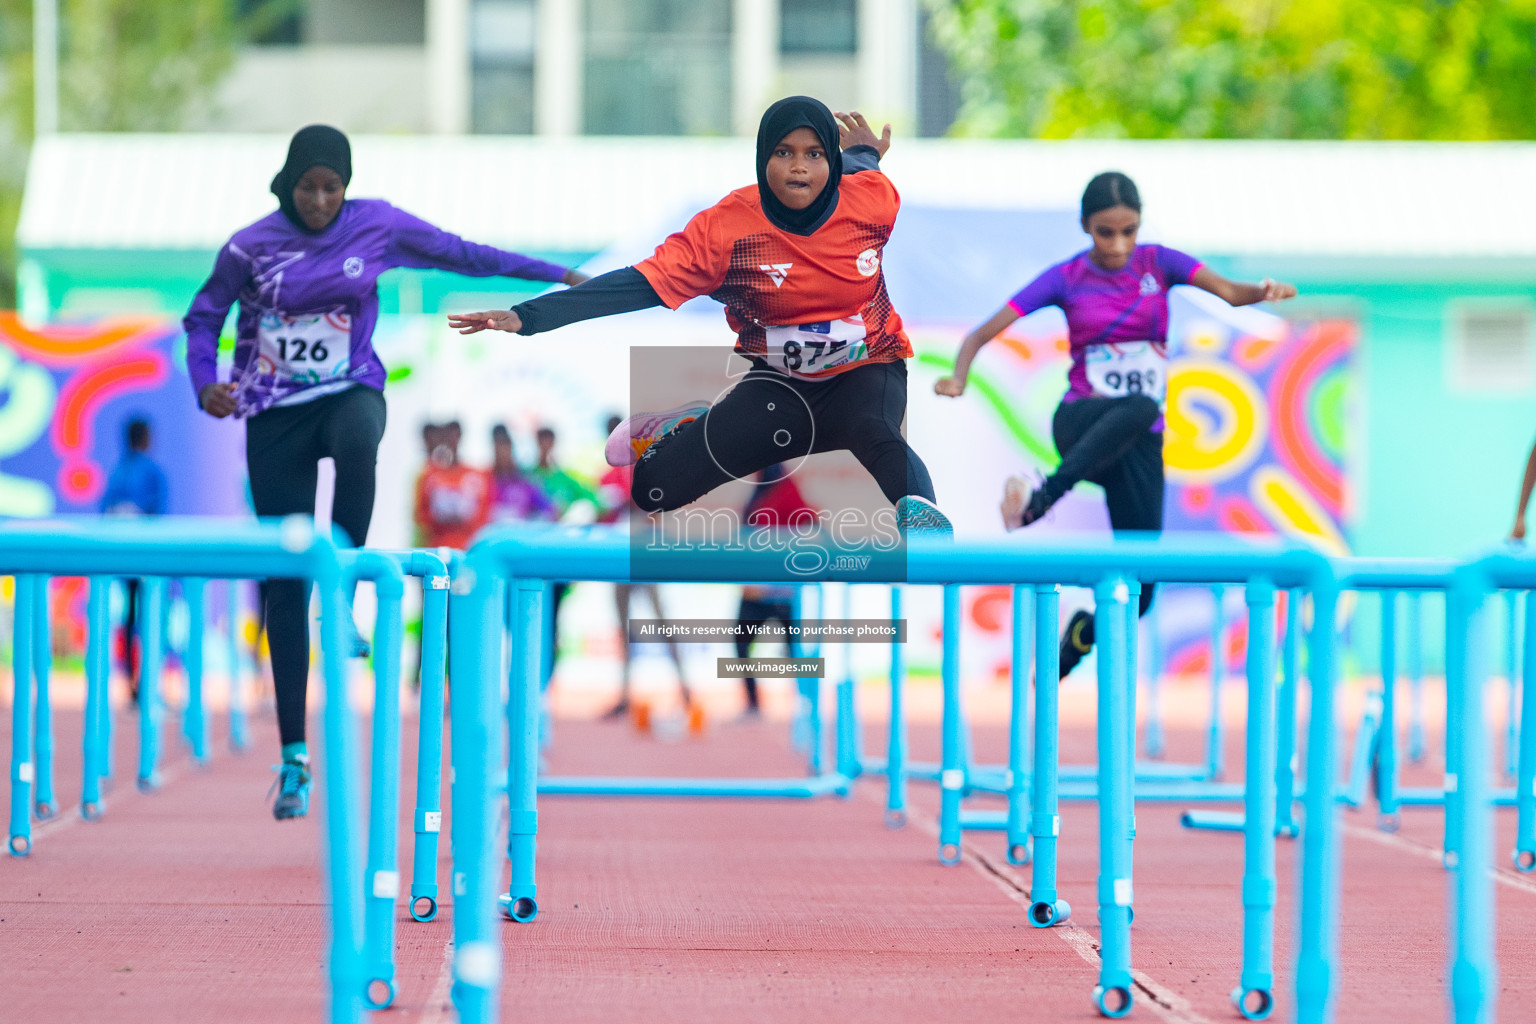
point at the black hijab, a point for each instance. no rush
(318, 145)
(778, 121)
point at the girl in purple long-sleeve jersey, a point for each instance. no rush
(305, 376)
(1109, 426)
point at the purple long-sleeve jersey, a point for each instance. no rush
(309, 302)
(1111, 314)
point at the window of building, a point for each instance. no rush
(271, 22)
(502, 34)
(1491, 347)
(657, 67)
(819, 26)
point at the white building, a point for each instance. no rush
(584, 67)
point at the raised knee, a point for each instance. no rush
(647, 490)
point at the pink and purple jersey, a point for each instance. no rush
(309, 301)
(1122, 309)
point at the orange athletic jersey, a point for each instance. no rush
(811, 305)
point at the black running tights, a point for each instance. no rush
(283, 447)
(770, 417)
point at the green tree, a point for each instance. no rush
(124, 65)
(1303, 69)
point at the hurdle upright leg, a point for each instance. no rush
(1132, 624)
(97, 677)
(1525, 780)
(1112, 995)
(1474, 972)
(952, 778)
(1317, 936)
(1285, 750)
(1415, 655)
(1047, 907)
(847, 752)
(152, 623)
(520, 902)
(896, 742)
(383, 877)
(428, 815)
(1254, 995)
(23, 771)
(239, 733)
(475, 652)
(1154, 741)
(1388, 819)
(1018, 729)
(1512, 688)
(195, 715)
(1215, 754)
(43, 802)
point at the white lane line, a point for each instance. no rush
(68, 816)
(439, 1007)
(1502, 876)
(1161, 1000)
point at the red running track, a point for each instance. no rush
(191, 904)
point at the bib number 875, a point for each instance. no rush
(794, 352)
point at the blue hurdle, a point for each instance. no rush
(163, 549)
(523, 561)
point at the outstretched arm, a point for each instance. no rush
(414, 242)
(618, 291)
(1526, 485)
(954, 386)
(1237, 293)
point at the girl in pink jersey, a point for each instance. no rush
(1109, 426)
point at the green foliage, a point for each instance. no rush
(124, 65)
(1303, 69)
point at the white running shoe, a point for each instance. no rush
(631, 438)
(1022, 501)
(919, 515)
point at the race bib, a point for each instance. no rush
(302, 351)
(810, 350)
(1128, 368)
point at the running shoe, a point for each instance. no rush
(631, 438)
(292, 788)
(919, 515)
(1077, 641)
(1024, 501)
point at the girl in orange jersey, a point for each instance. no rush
(796, 262)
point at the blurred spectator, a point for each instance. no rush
(135, 488)
(573, 501)
(615, 505)
(452, 500)
(776, 503)
(515, 497)
(572, 497)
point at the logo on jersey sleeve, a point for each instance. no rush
(868, 262)
(1149, 285)
(777, 272)
(353, 267)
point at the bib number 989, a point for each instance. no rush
(1133, 382)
